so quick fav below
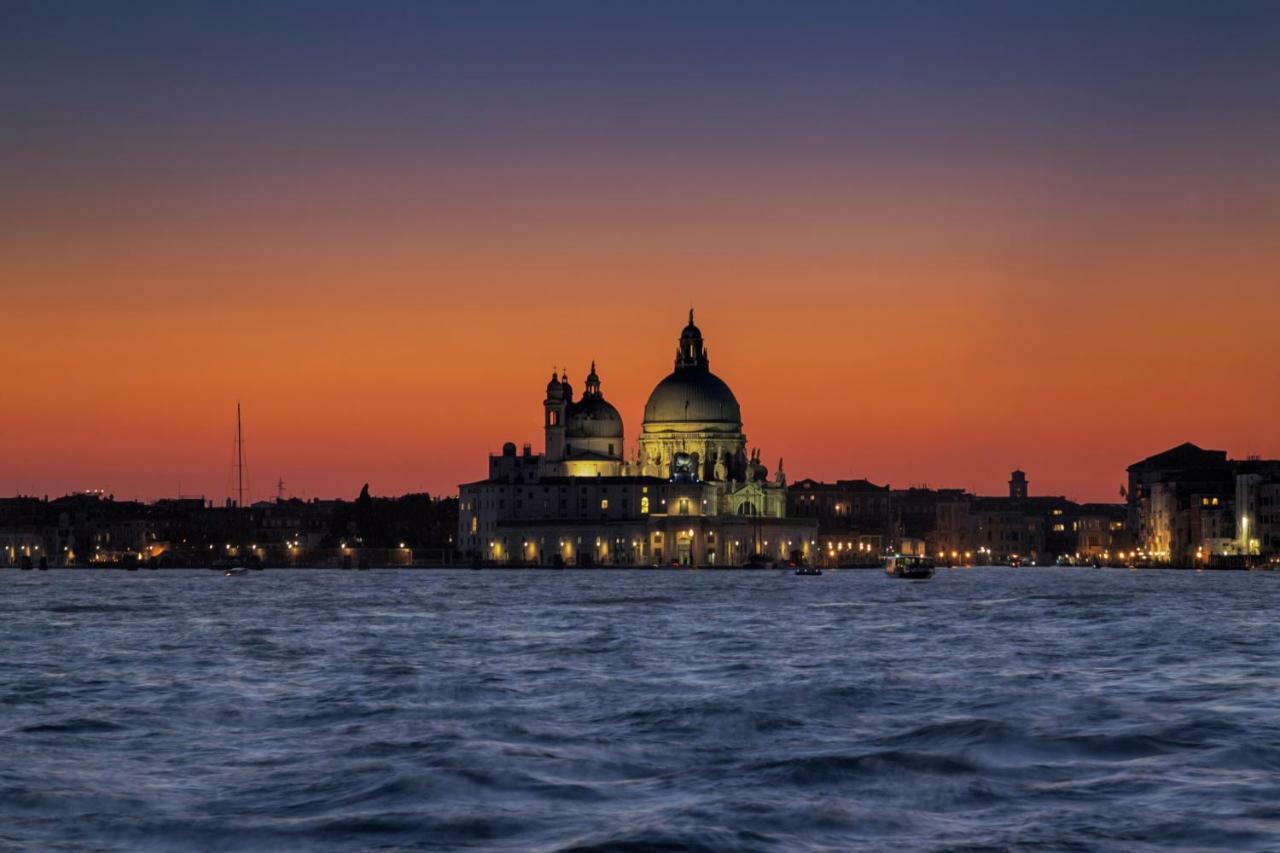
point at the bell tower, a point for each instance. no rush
(554, 408)
(1018, 486)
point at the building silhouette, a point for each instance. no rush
(690, 494)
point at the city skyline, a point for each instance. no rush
(259, 486)
(930, 245)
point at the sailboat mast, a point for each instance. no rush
(239, 460)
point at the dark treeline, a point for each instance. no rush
(416, 520)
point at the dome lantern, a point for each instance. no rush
(691, 354)
(592, 388)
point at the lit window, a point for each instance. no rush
(604, 503)
(644, 505)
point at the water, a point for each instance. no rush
(327, 710)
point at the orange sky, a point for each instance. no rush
(931, 303)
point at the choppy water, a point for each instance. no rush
(987, 709)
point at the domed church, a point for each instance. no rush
(690, 494)
(584, 438)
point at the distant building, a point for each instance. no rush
(1257, 508)
(691, 495)
(92, 529)
(1022, 528)
(1180, 502)
(915, 510)
(1101, 532)
(855, 518)
(1190, 506)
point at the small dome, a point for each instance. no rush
(593, 417)
(555, 390)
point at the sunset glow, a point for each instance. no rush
(1053, 249)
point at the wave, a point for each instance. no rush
(79, 725)
(94, 608)
(817, 770)
(623, 600)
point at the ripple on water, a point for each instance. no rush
(1025, 709)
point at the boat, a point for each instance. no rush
(808, 570)
(236, 571)
(909, 567)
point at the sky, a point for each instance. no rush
(926, 242)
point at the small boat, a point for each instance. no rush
(236, 571)
(909, 567)
(808, 570)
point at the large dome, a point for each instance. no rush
(692, 394)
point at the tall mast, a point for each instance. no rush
(239, 461)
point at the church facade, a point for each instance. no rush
(690, 494)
